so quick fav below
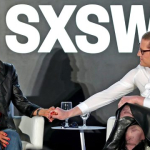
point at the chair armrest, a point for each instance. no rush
(110, 124)
(33, 127)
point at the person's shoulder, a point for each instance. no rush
(135, 70)
(8, 65)
(140, 68)
(9, 69)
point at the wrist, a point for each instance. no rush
(74, 112)
(68, 114)
(42, 112)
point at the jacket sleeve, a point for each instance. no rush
(18, 99)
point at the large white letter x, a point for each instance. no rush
(57, 30)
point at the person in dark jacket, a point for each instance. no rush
(10, 92)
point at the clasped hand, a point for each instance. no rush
(56, 113)
(131, 99)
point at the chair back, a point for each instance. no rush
(11, 109)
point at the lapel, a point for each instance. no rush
(2, 72)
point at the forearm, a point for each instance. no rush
(103, 98)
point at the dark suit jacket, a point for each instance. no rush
(10, 91)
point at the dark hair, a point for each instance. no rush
(146, 36)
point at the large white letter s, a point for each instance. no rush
(91, 28)
(23, 29)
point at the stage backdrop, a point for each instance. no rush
(67, 50)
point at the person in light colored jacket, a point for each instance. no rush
(132, 109)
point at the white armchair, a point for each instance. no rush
(31, 130)
(110, 124)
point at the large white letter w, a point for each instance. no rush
(124, 37)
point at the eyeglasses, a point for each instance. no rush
(143, 51)
(72, 125)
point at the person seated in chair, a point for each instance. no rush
(132, 126)
(10, 92)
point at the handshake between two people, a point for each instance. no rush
(55, 113)
(61, 114)
(58, 113)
